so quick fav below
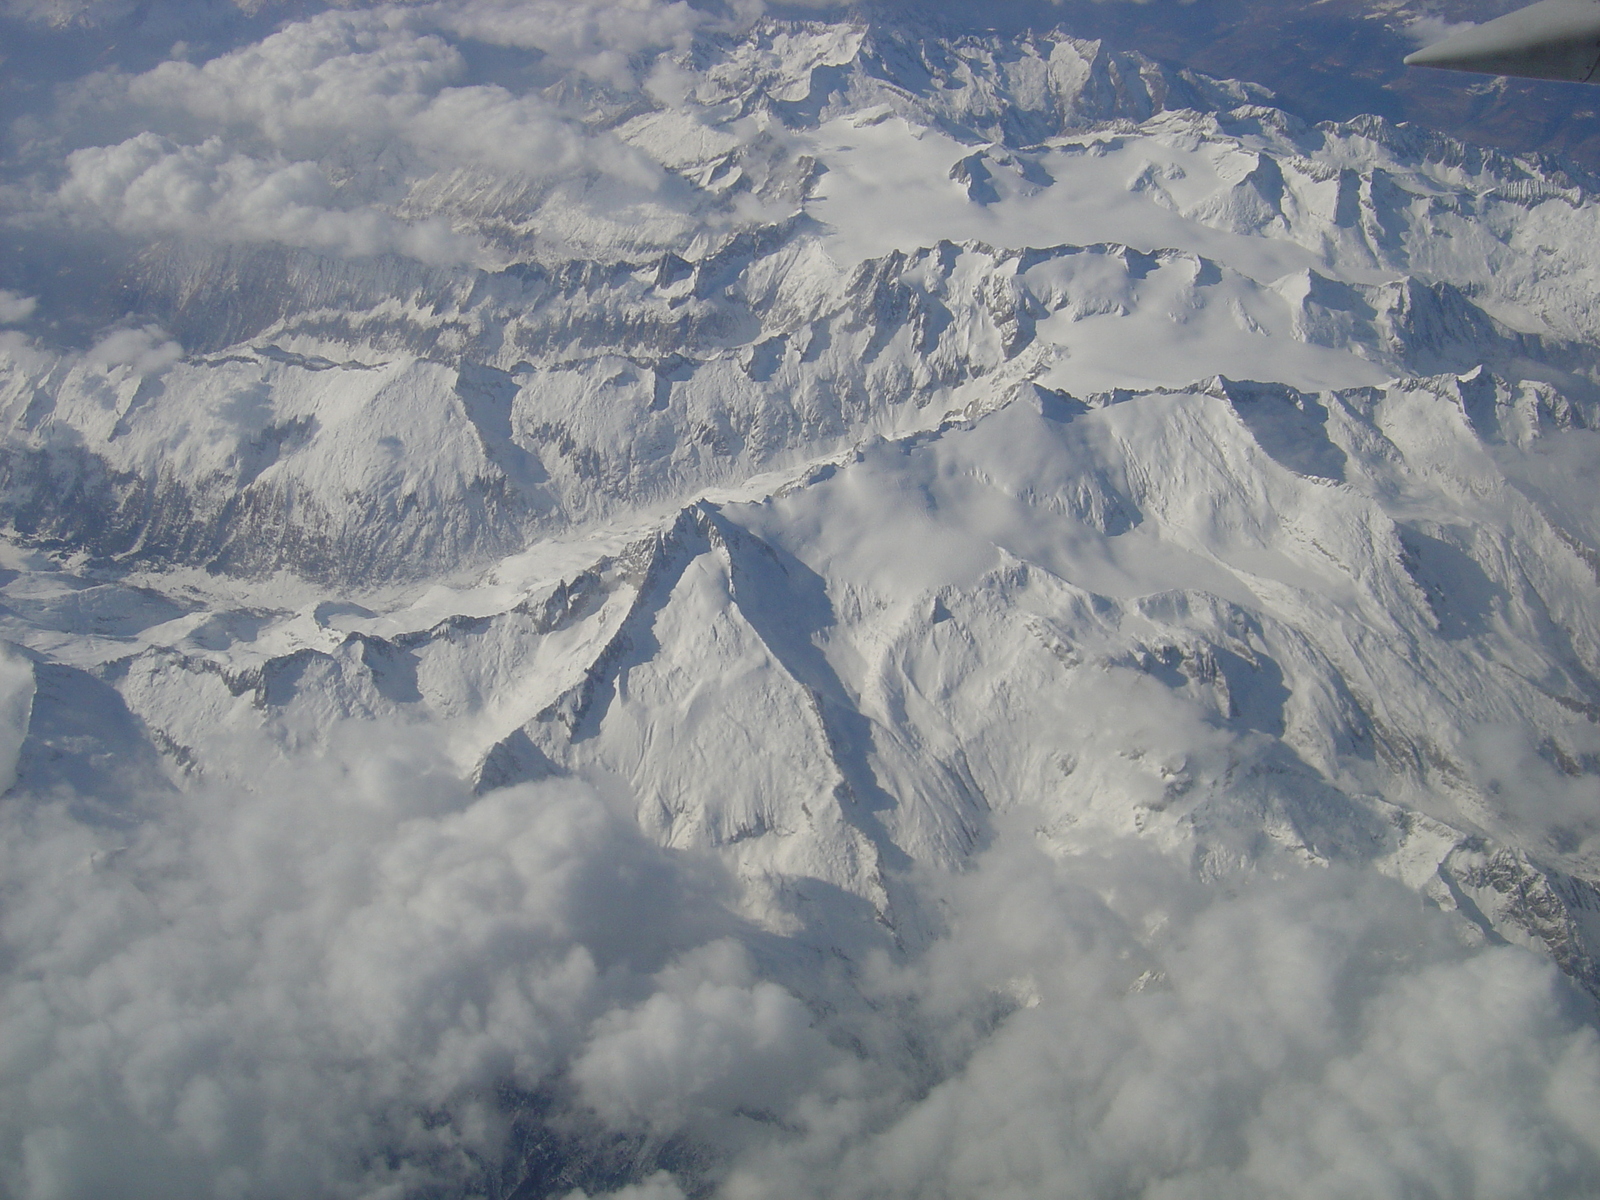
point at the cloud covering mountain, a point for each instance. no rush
(651, 600)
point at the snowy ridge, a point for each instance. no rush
(239, 462)
(1361, 589)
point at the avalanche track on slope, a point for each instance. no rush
(948, 442)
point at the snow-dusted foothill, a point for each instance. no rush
(646, 600)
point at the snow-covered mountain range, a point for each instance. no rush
(1337, 59)
(1040, 538)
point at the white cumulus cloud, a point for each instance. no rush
(316, 987)
(14, 308)
(354, 977)
(314, 135)
(1322, 1036)
(151, 186)
(145, 350)
(713, 1041)
(597, 37)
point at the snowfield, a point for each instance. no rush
(665, 603)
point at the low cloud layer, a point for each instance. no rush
(145, 350)
(149, 186)
(316, 987)
(597, 37)
(354, 978)
(313, 136)
(1429, 28)
(15, 309)
(1318, 1036)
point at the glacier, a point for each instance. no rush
(664, 601)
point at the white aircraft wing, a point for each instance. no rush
(1553, 39)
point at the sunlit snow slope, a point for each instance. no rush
(865, 450)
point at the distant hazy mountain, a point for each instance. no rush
(1327, 60)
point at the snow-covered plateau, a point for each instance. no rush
(670, 602)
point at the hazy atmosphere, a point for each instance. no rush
(729, 600)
